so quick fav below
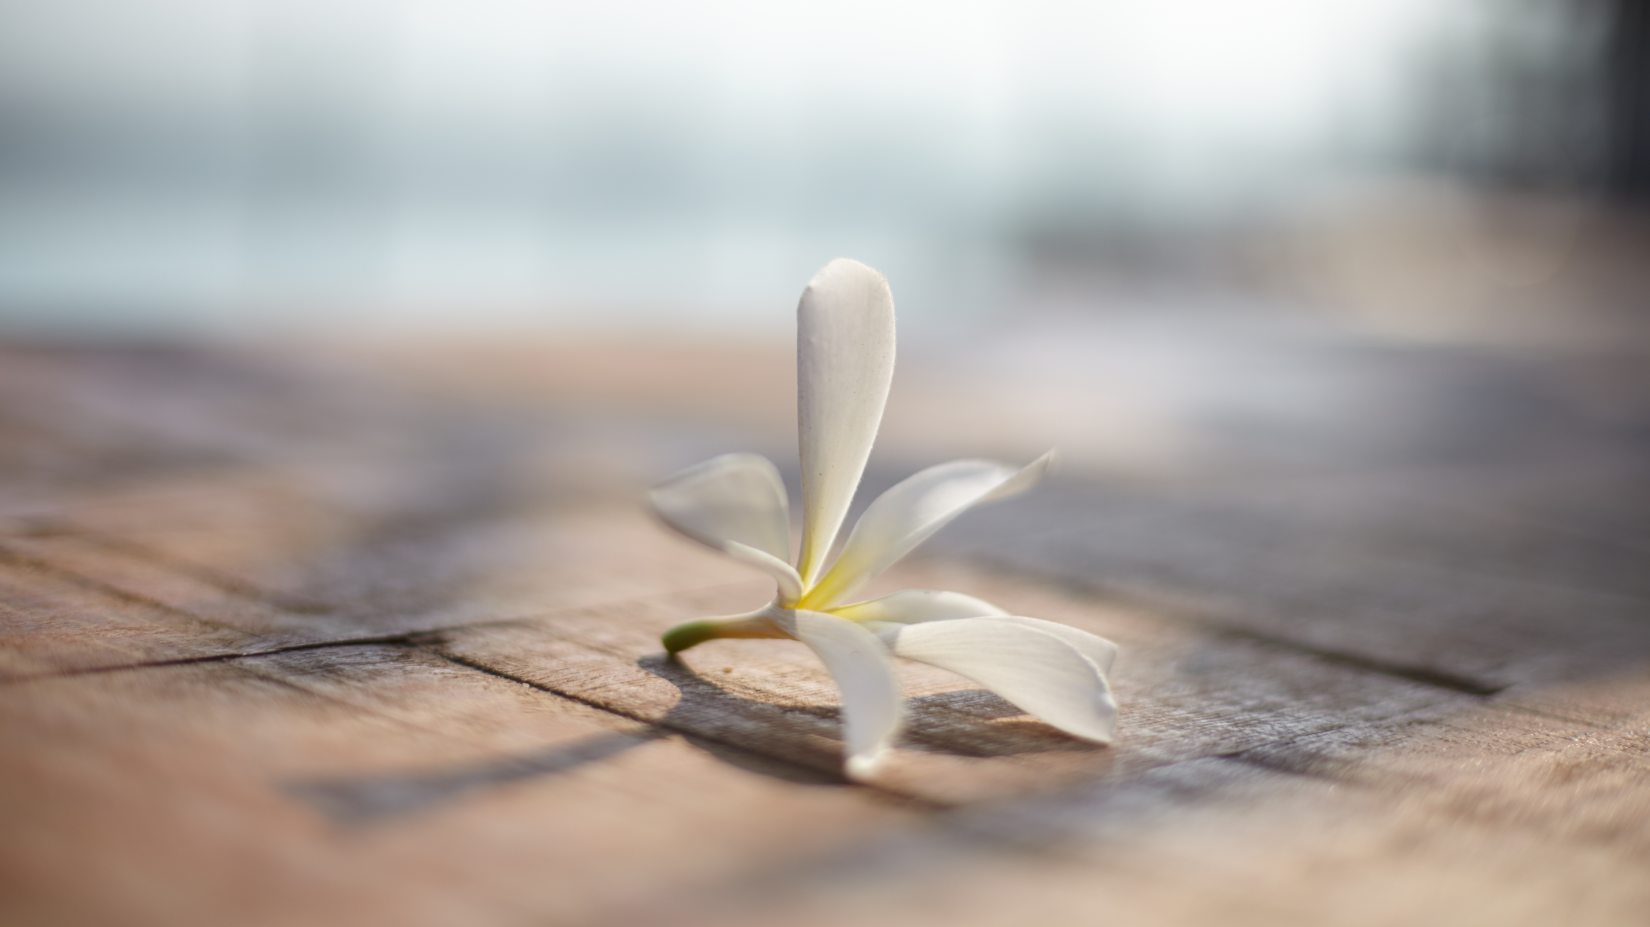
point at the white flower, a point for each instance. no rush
(737, 504)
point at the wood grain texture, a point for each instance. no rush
(377, 641)
(1184, 693)
(429, 794)
(1408, 574)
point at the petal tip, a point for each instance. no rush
(1104, 727)
(862, 768)
(846, 267)
(1100, 733)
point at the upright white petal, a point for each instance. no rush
(912, 606)
(736, 504)
(1030, 667)
(872, 706)
(845, 362)
(907, 514)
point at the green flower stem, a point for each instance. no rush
(694, 633)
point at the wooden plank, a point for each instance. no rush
(250, 530)
(373, 783)
(484, 570)
(1472, 817)
(90, 419)
(1617, 701)
(1309, 733)
(411, 514)
(54, 623)
(1319, 570)
(1184, 693)
(130, 575)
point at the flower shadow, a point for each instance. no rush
(356, 801)
(979, 723)
(786, 742)
(779, 739)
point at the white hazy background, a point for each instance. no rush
(232, 167)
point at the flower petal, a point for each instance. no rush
(907, 514)
(844, 364)
(1099, 651)
(736, 504)
(872, 705)
(1030, 475)
(790, 584)
(913, 606)
(1030, 667)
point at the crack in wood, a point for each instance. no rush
(408, 637)
(1427, 676)
(413, 638)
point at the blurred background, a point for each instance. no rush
(1187, 234)
(1423, 169)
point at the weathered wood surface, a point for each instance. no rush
(371, 636)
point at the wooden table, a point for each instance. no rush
(370, 635)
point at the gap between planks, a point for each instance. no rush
(1427, 676)
(428, 641)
